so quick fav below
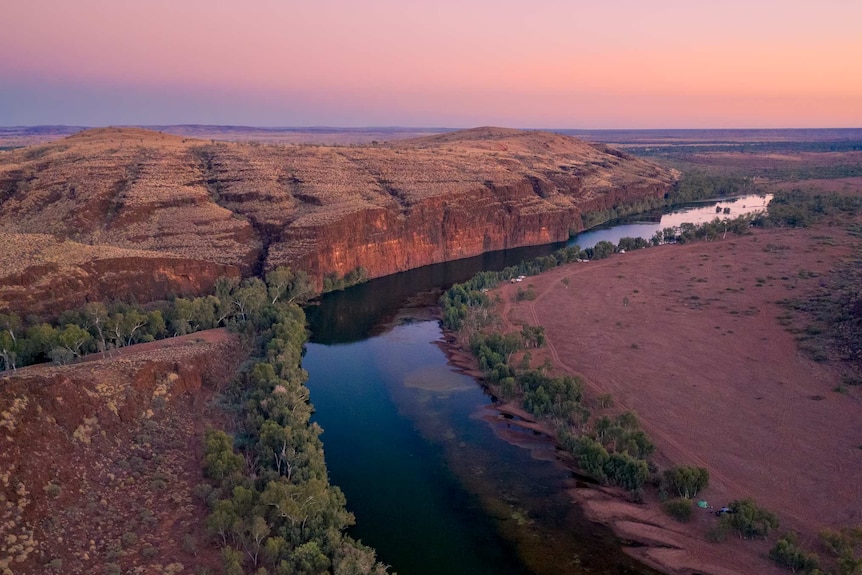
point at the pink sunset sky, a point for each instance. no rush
(530, 64)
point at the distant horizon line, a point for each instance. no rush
(411, 128)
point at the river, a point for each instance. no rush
(416, 446)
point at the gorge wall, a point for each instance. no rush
(437, 230)
(114, 213)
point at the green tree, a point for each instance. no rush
(604, 429)
(843, 545)
(284, 447)
(10, 325)
(603, 249)
(73, 338)
(220, 461)
(624, 470)
(294, 287)
(96, 315)
(668, 235)
(254, 536)
(232, 560)
(300, 512)
(222, 520)
(204, 311)
(787, 553)
(131, 324)
(41, 338)
(156, 326)
(191, 315)
(308, 559)
(249, 299)
(274, 550)
(592, 457)
(350, 558)
(680, 509)
(636, 443)
(8, 350)
(124, 325)
(533, 335)
(749, 520)
(686, 481)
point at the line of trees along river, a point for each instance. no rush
(433, 487)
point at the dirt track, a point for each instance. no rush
(688, 337)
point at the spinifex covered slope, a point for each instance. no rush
(117, 212)
(106, 454)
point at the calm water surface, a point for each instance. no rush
(414, 444)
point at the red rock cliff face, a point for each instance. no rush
(120, 213)
(386, 241)
(426, 201)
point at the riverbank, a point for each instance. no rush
(645, 531)
(689, 337)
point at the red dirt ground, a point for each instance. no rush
(688, 337)
(849, 186)
(99, 460)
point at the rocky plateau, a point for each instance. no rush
(118, 213)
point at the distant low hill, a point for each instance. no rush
(127, 212)
(17, 136)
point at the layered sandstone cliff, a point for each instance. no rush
(169, 215)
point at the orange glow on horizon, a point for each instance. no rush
(669, 64)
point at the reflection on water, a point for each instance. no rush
(433, 487)
(367, 309)
(407, 501)
(695, 213)
(360, 311)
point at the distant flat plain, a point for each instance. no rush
(15, 136)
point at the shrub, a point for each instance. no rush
(528, 295)
(626, 471)
(749, 520)
(202, 491)
(129, 538)
(605, 400)
(787, 553)
(592, 456)
(717, 534)
(852, 379)
(53, 490)
(190, 544)
(680, 509)
(148, 551)
(843, 546)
